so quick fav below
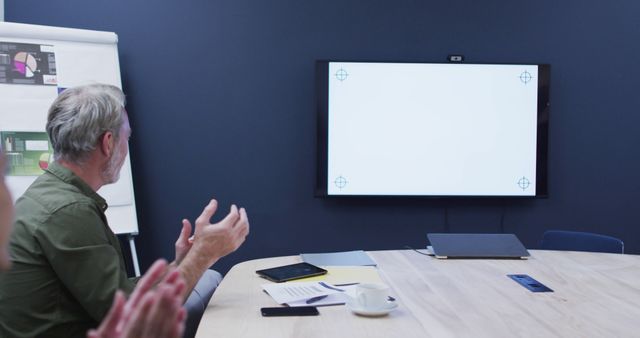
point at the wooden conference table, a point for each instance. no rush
(596, 295)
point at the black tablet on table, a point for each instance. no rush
(289, 272)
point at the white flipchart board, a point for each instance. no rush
(81, 57)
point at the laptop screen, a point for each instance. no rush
(447, 245)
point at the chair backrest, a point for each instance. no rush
(580, 241)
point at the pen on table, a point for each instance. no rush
(315, 299)
(389, 298)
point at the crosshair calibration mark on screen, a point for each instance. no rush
(526, 77)
(340, 182)
(524, 183)
(341, 74)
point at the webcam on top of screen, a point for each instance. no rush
(455, 58)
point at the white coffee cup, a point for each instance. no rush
(372, 296)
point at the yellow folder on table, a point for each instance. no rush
(346, 275)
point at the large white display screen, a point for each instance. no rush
(416, 129)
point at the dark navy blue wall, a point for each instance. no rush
(221, 97)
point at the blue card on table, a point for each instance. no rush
(530, 283)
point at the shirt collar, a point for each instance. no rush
(67, 176)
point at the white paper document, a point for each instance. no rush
(299, 293)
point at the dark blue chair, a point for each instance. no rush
(198, 301)
(580, 241)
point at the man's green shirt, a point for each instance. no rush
(67, 263)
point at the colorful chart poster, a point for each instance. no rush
(24, 63)
(28, 153)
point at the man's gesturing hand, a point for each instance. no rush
(149, 312)
(184, 242)
(213, 241)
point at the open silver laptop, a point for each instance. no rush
(448, 245)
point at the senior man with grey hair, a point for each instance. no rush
(67, 263)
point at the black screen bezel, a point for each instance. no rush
(322, 98)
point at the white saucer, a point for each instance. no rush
(359, 310)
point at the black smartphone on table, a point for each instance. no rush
(289, 272)
(289, 311)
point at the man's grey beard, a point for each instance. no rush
(111, 172)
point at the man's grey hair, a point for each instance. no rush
(79, 116)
